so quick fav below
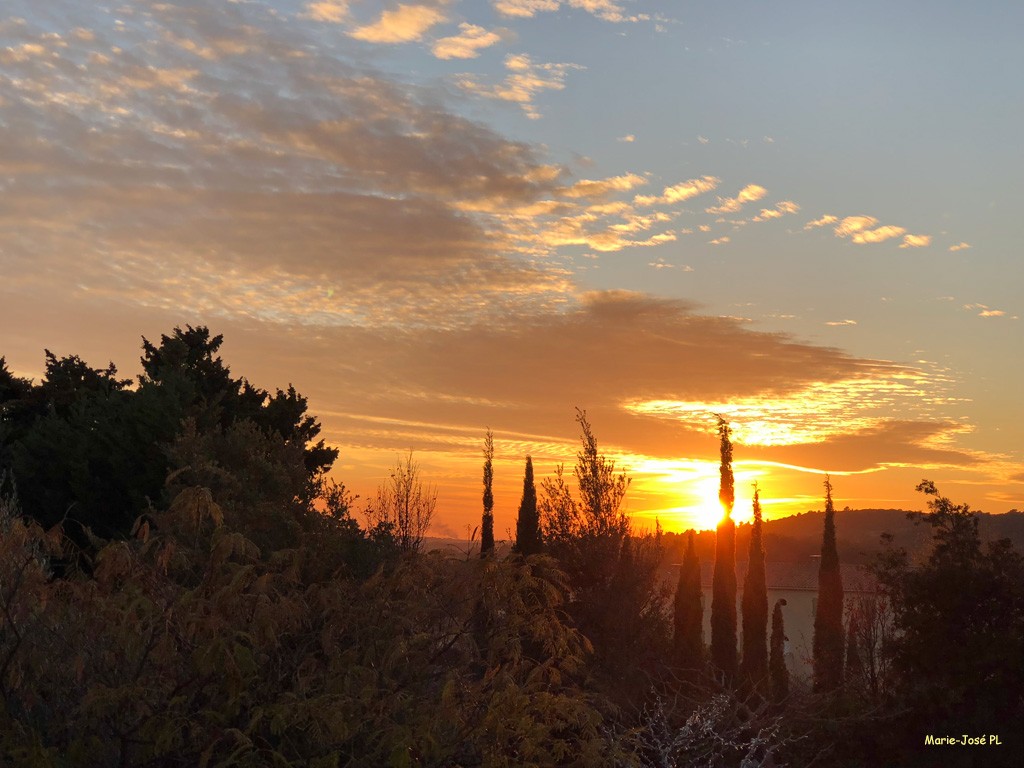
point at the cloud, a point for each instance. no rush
(916, 241)
(679, 192)
(467, 44)
(268, 174)
(405, 24)
(878, 235)
(780, 209)
(749, 194)
(851, 225)
(660, 263)
(602, 187)
(525, 81)
(841, 322)
(824, 221)
(720, 240)
(334, 11)
(985, 310)
(959, 247)
(525, 9)
(629, 138)
(607, 10)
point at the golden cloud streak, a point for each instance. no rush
(811, 415)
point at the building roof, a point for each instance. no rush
(800, 575)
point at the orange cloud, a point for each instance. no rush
(878, 235)
(959, 247)
(780, 209)
(405, 24)
(607, 10)
(467, 44)
(750, 193)
(334, 11)
(602, 187)
(824, 221)
(854, 224)
(916, 241)
(525, 81)
(679, 192)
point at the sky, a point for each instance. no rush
(439, 217)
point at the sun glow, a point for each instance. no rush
(693, 487)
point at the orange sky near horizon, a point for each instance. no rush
(438, 216)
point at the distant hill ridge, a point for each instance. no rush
(798, 537)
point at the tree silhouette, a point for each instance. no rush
(828, 619)
(487, 525)
(404, 506)
(688, 624)
(777, 662)
(528, 540)
(723, 598)
(754, 668)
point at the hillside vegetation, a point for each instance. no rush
(181, 585)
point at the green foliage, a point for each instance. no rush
(723, 596)
(487, 525)
(754, 668)
(528, 537)
(688, 624)
(828, 619)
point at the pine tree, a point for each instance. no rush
(528, 541)
(689, 611)
(777, 662)
(487, 526)
(723, 599)
(754, 667)
(828, 620)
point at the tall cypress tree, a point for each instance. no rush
(754, 669)
(528, 541)
(777, 662)
(723, 598)
(487, 527)
(688, 618)
(828, 620)
(854, 663)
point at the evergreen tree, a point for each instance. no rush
(754, 667)
(688, 642)
(723, 599)
(487, 527)
(777, 662)
(854, 662)
(528, 540)
(828, 620)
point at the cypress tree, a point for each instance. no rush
(777, 662)
(754, 669)
(688, 617)
(723, 599)
(528, 541)
(854, 662)
(828, 620)
(487, 527)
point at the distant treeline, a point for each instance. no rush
(859, 535)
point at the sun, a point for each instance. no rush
(707, 512)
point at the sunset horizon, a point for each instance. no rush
(434, 218)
